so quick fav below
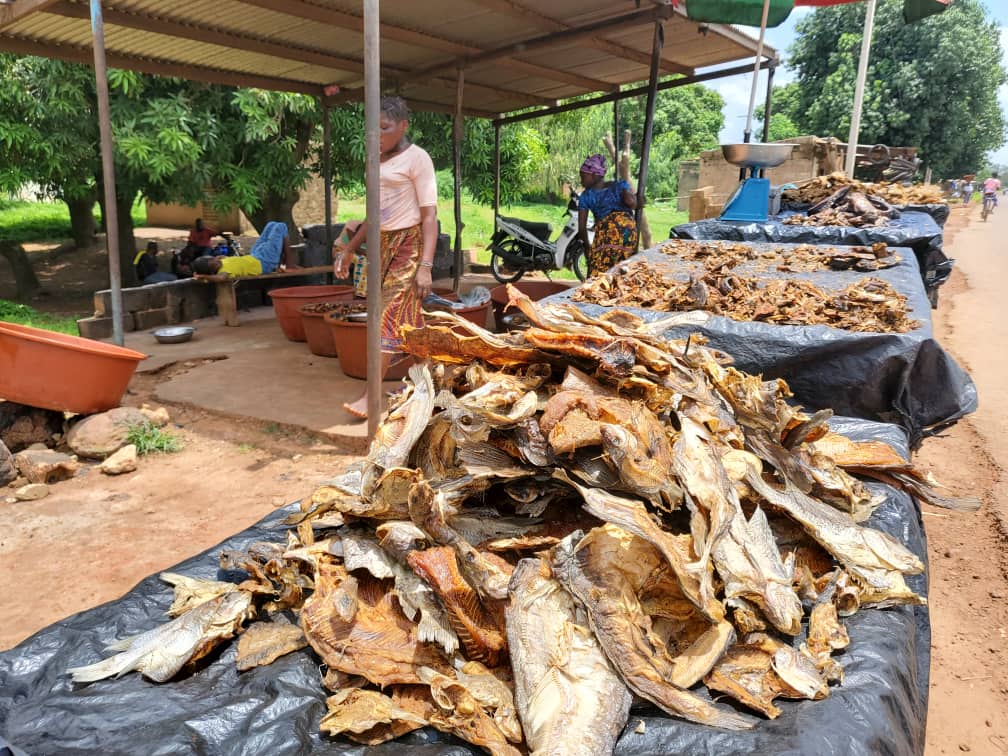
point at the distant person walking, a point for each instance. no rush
(967, 191)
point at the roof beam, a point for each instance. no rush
(600, 43)
(77, 54)
(357, 95)
(148, 23)
(573, 34)
(339, 19)
(21, 8)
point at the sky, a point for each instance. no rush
(735, 90)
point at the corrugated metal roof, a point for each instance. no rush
(515, 53)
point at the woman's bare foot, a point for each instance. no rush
(358, 408)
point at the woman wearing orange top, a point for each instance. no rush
(408, 235)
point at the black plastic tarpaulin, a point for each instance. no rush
(917, 230)
(901, 378)
(880, 708)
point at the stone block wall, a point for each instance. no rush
(151, 306)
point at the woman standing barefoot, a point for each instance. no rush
(408, 236)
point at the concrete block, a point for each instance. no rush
(147, 319)
(102, 303)
(95, 327)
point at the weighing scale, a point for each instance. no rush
(751, 201)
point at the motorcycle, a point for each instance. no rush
(229, 247)
(519, 246)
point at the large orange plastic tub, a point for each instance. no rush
(61, 372)
(287, 304)
(350, 338)
(534, 290)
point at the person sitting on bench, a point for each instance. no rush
(200, 236)
(270, 253)
(146, 267)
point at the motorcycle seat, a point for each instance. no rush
(539, 230)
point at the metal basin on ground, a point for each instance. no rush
(173, 334)
(61, 372)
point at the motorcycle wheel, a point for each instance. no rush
(579, 264)
(501, 269)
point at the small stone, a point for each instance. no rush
(157, 415)
(8, 468)
(10, 500)
(42, 465)
(32, 492)
(123, 461)
(996, 595)
(988, 723)
(296, 457)
(976, 577)
(278, 501)
(948, 554)
(963, 747)
(640, 728)
(37, 447)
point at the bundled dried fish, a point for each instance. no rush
(722, 256)
(817, 189)
(598, 515)
(870, 305)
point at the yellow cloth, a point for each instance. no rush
(243, 265)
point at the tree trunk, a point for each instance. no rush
(276, 207)
(24, 277)
(127, 244)
(82, 222)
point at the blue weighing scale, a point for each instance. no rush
(751, 201)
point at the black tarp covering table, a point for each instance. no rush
(881, 707)
(901, 378)
(917, 230)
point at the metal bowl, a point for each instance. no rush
(755, 155)
(174, 334)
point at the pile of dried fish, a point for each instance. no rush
(550, 523)
(722, 256)
(815, 190)
(342, 309)
(846, 207)
(868, 305)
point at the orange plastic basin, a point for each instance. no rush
(350, 338)
(61, 372)
(534, 290)
(287, 304)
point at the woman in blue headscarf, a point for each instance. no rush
(613, 204)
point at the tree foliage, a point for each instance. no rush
(931, 84)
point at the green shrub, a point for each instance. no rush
(12, 312)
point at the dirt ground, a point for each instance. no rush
(109, 533)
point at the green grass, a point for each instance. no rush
(149, 439)
(12, 312)
(46, 221)
(478, 219)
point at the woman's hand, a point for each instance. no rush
(341, 265)
(423, 282)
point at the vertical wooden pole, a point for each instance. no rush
(372, 131)
(768, 106)
(859, 86)
(108, 170)
(496, 199)
(327, 175)
(458, 132)
(652, 96)
(615, 136)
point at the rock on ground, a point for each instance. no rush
(157, 415)
(32, 492)
(98, 436)
(7, 468)
(45, 465)
(21, 425)
(123, 461)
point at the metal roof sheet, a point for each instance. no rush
(515, 53)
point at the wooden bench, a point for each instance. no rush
(227, 303)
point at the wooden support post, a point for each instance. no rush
(615, 136)
(768, 107)
(652, 96)
(108, 171)
(327, 174)
(496, 197)
(372, 132)
(458, 133)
